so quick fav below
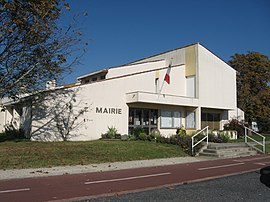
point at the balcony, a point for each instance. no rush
(154, 98)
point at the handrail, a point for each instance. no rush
(248, 137)
(192, 139)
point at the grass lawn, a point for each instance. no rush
(256, 137)
(267, 148)
(26, 154)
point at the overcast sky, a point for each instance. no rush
(121, 31)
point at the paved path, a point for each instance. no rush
(62, 170)
(88, 185)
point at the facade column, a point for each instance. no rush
(198, 118)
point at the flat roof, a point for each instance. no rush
(131, 63)
(93, 73)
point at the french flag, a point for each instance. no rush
(167, 75)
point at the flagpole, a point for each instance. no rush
(170, 66)
(161, 88)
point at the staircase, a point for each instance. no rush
(224, 150)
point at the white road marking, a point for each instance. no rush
(261, 164)
(14, 190)
(222, 166)
(128, 178)
(252, 159)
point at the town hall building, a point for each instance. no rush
(188, 87)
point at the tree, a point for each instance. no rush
(253, 90)
(33, 47)
(68, 118)
(57, 115)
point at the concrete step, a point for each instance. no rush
(225, 145)
(228, 150)
(228, 155)
(223, 150)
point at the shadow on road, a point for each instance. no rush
(265, 176)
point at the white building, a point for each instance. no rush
(202, 91)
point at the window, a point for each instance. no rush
(166, 119)
(191, 86)
(138, 117)
(211, 119)
(177, 119)
(157, 85)
(190, 120)
(143, 118)
(170, 119)
(94, 79)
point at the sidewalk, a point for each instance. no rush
(64, 170)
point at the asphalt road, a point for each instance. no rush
(245, 187)
(87, 185)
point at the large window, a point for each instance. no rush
(211, 119)
(170, 119)
(144, 118)
(190, 120)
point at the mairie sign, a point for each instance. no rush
(108, 110)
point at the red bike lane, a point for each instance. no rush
(87, 185)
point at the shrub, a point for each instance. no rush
(214, 138)
(161, 139)
(153, 135)
(235, 124)
(104, 136)
(142, 136)
(11, 133)
(112, 133)
(131, 137)
(224, 137)
(173, 139)
(199, 137)
(181, 131)
(184, 141)
(117, 136)
(155, 132)
(137, 131)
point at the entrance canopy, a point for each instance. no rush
(155, 98)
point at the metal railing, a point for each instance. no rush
(259, 143)
(193, 144)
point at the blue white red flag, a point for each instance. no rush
(167, 76)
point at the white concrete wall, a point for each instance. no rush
(176, 56)
(216, 89)
(48, 113)
(16, 119)
(2, 119)
(6, 116)
(217, 81)
(113, 94)
(236, 114)
(26, 118)
(135, 68)
(109, 93)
